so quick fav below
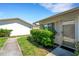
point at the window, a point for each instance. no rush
(49, 26)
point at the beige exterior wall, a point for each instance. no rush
(72, 16)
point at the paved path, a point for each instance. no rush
(60, 52)
(11, 48)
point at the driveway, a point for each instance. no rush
(11, 48)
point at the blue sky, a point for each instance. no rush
(33, 12)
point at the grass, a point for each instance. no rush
(28, 49)
(16, 36)
(2, 41)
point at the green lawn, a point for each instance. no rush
(2, 41)
(28, 49)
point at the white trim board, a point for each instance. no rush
(68, 38)
(68, 22)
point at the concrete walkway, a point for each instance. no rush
(60, 52)
(11, 48)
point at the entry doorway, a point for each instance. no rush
(68, 34)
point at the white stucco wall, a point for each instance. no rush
(77, 29)
(58, 36)
(18, 29)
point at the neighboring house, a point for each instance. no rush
(66, 25)
(36, 26)
(18, 26)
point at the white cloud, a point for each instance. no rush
(57, 7)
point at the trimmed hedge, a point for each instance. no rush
(5, 32)
(43, 37)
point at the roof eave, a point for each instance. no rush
(71, 10)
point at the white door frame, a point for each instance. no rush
(67, 23)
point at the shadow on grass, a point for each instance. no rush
(40, 46)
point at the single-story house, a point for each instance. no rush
(18, 26)
(66, 25)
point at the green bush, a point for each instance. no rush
(5, 32)
(43, 37)
(77, 49)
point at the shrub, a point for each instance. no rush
(43, 37)
(77, 49)
(5, 32)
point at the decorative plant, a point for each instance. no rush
(77, 49)
(43, 37)
(5, 32)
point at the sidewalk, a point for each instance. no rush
(11, 48)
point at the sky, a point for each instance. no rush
(32, 12)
